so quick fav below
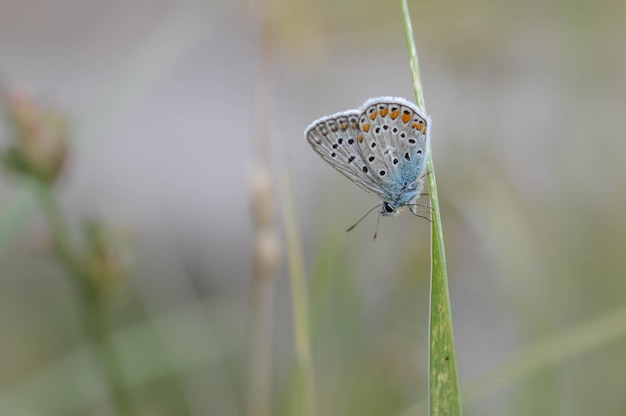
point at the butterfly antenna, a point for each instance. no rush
(376, 232)
(362, 218)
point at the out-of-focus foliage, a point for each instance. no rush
(528, 105)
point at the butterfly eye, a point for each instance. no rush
(387, 207)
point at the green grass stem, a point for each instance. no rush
(444, 396)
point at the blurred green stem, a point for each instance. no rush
(94, 306)
(300, 299)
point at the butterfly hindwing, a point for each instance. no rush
(394, 144)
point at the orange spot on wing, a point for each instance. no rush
(360, 137)
(383, 112)
(373, 115)
(406, 118)
(394, 114)
(365, 127)
(344, 127)
(418, 126)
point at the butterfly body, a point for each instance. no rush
(381, 147)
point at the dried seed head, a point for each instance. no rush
(39, 138)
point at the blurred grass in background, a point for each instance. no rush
(528, 101)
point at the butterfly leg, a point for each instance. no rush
(422, 216)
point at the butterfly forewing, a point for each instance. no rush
(336, 139)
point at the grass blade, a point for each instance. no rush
(444, 396)
(302, 333)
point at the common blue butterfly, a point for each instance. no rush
(381, 147)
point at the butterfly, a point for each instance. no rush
(381, 147)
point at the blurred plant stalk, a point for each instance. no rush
(266, 242)
(38, 153)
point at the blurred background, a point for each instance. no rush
(528, 101)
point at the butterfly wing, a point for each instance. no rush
(336, 139)
(394, 145)
(381, 146)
